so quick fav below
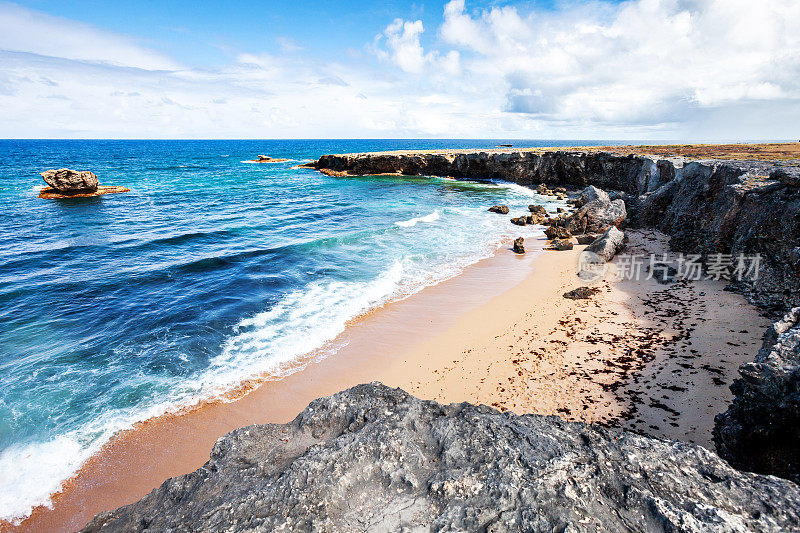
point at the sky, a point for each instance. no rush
(692, 70)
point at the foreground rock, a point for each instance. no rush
(377, 459)
(69, 181)
(760, 431)
(581, 293)
(519, 246)
(66, 183)
(608, 244)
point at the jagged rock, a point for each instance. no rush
(536, 209)
(561, 244)
(519, 247)
(557, 232)
(378, 459)
(519, 221)
(581, 293)
(587, 238)
(543, 190)
(760, 431)
(608, 244)
(71, 181)
(500, 209)
(597, 216)
(786, 175)
(590, 194)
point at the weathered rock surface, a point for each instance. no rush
(500, 209)
(562, 244)
(586, 238)
(597, 216)
(760, 431)
(377, 459)
(608, 244)
(519, 245)
(68, 181)
(557, 232)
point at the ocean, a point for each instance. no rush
(209, 272)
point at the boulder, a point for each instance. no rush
(586, 238)
(663, 272)
(760, 431)
(590, 194)
(561, 244)
(597, 216)
(71, 181)
(500, 209)
(557, 232)
(519, 247)
(519, 221)
(536, 209)
(608, 244)
(544, 190)
(581, 293)
(373, 458)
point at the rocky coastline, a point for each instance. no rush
(376, 458)
(707, 206)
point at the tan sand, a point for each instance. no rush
(500, 334)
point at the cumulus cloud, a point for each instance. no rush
(642, 62)
(403, 47)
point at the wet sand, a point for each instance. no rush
(650, 357)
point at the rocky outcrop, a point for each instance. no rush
(712, 208)
(499, 209)
(760, 431)
(377, 459)
(68, 181)
(607, 245)
(267, 159)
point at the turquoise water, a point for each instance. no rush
(210, 271)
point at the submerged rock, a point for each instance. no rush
(374, 458)
(68, 181)
(760, 431)
(501, 209)
(519, 247)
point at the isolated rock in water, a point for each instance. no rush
(562, 244)
(586, 238)
(608, 244)
(501, 209)
(581, 293)
(760, 431)
(69, 181)
(519, 221)
(378, 459)
(557, 232)
(519, 247)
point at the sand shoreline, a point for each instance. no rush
(515, 343)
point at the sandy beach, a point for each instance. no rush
(649, 357)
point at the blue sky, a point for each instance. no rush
(644, 69)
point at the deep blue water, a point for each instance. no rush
(211, 270)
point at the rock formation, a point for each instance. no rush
(708, 207)
(760, 431)
(266, 159)
(69, 181)
(581, 293)
(519, 246)
(500, 209)
(608, 244)
(66, 183)
(561, 244)
(377, 459)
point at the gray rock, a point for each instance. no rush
(760, 431)
(590, 194)
(71, 181)
(597, 216)
(608, 244)
(663, 273)
(378, 459)
(586, 238)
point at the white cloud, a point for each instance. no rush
(404, 49)
(24, 30)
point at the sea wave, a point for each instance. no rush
(433, 217)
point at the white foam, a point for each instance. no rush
(433, 217)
